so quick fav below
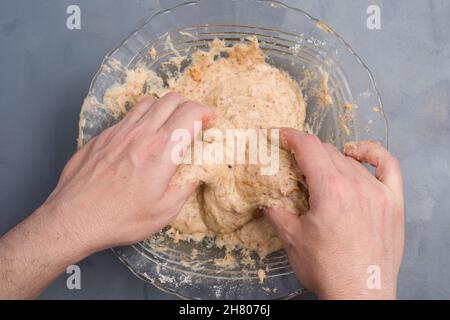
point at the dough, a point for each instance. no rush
(246, 92)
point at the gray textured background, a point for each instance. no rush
(45, 71)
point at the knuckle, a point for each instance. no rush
(394, 163)
(151, 153)
(370, 143)
(141, 105)
(335, 188)
(359, 184)
(329, 146)
(157, 143)
(130, 137)
(148, 100)
(333, 177)
(99, 144)
(166, 131)
(312, 139)
(136, 112)
(380, 196)
(342, 195)
(153, 147)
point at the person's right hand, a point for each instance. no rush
(354, 228)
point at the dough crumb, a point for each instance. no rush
(261, 276)
(323, 26)
(153, 53)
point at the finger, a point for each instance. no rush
(189, 118)
(175, 197)
(123, 127)
(162, 110)
(339, 160)
(177, 194)
(387, 166)
(138, 111)
(363, 171)
(102, 140)
(348, 166)
(170, 206)
(285, 223)
(312, 158)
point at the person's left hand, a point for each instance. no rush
(116, 190)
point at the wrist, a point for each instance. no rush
(349, 293)
(69, 234)
(36, 251)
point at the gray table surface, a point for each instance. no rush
(45, 71)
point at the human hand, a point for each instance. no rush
(355, 220)
(116, 190)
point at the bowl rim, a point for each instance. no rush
(277, 3)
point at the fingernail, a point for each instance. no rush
(210, 119)
(283, 139)
(267, 210)
(284, 132)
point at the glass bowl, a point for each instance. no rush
(293, 41)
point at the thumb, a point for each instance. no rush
(286, 224)
(175, 198)
(179, 193)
